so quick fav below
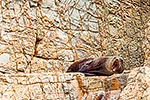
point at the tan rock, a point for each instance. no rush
(138, 85)
(42, 86)
(56, 86)
(4, 58)
(146, 45)
(48, 30)
(18, 62)
(47, 36)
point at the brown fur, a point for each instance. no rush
(103, 66)
(77, 65)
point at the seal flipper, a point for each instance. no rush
(97, 64)
(86, 66)
(83, 68)
(76, 66)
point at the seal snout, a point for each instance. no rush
(118, 65)
(115, 65)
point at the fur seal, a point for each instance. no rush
(103, 66)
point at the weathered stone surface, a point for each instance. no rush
(38, 36)
(146, 45)
(110, 87)
(69, 86)
(138, 85)
(52, 86)
(4, 58)
(25, 63)
(73, 30)
(18, 62)
(41, 65)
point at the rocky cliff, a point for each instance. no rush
(39, 39)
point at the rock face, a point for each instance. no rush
(46, 36)
(138, 86)
(41, 86)
(146, 45)
(58, 86)
(61, 32)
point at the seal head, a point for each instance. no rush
(115, 64)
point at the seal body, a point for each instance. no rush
(103, 66)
